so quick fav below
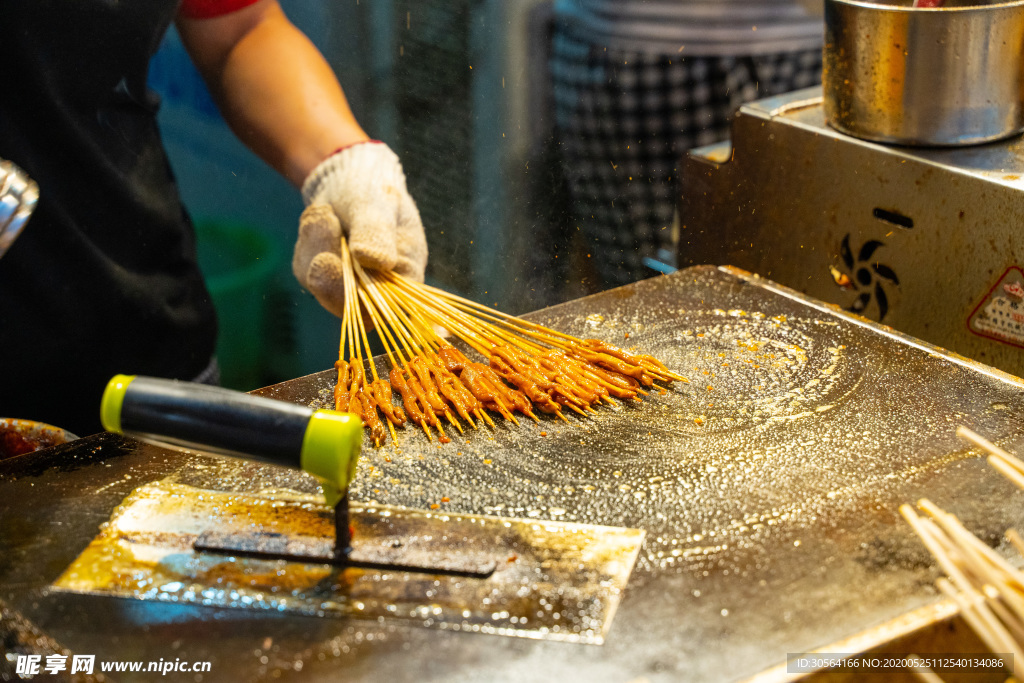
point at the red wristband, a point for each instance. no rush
(206, 9)
(353, 144)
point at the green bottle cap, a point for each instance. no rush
(113, 399)
(330, 450)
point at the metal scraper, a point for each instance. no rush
(363, 539)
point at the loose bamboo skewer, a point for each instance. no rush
(526, 366)
(986, 587)
(923, 672)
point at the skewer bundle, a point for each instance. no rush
(988, 589)
(526, 367)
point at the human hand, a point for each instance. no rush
(358, 192)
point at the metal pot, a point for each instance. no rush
(947, 76)
(18, 197)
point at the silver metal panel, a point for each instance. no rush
(19, 195)
(792, 196)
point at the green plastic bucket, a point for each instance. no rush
(240, 263)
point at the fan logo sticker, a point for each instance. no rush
(865, 276)
(1000, 315)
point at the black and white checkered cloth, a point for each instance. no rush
(623, 122)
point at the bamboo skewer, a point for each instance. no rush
(525, 366)
(547, 332)
(923, 672)
(987, 588)
(995, 452)
(1007, 471)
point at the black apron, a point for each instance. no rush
(103, 279)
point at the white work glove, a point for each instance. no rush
(358, 192)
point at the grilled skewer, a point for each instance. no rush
(524, 366)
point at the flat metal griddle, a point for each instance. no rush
(768, 488)
(181, 540)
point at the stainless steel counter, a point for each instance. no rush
(768, 486)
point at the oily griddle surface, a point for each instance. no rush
(768, 488)
(174, 541)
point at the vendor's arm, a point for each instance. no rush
(282, 99)
(272, 86)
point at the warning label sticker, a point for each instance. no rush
(1000, 315)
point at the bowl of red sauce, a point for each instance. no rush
(18, 437)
